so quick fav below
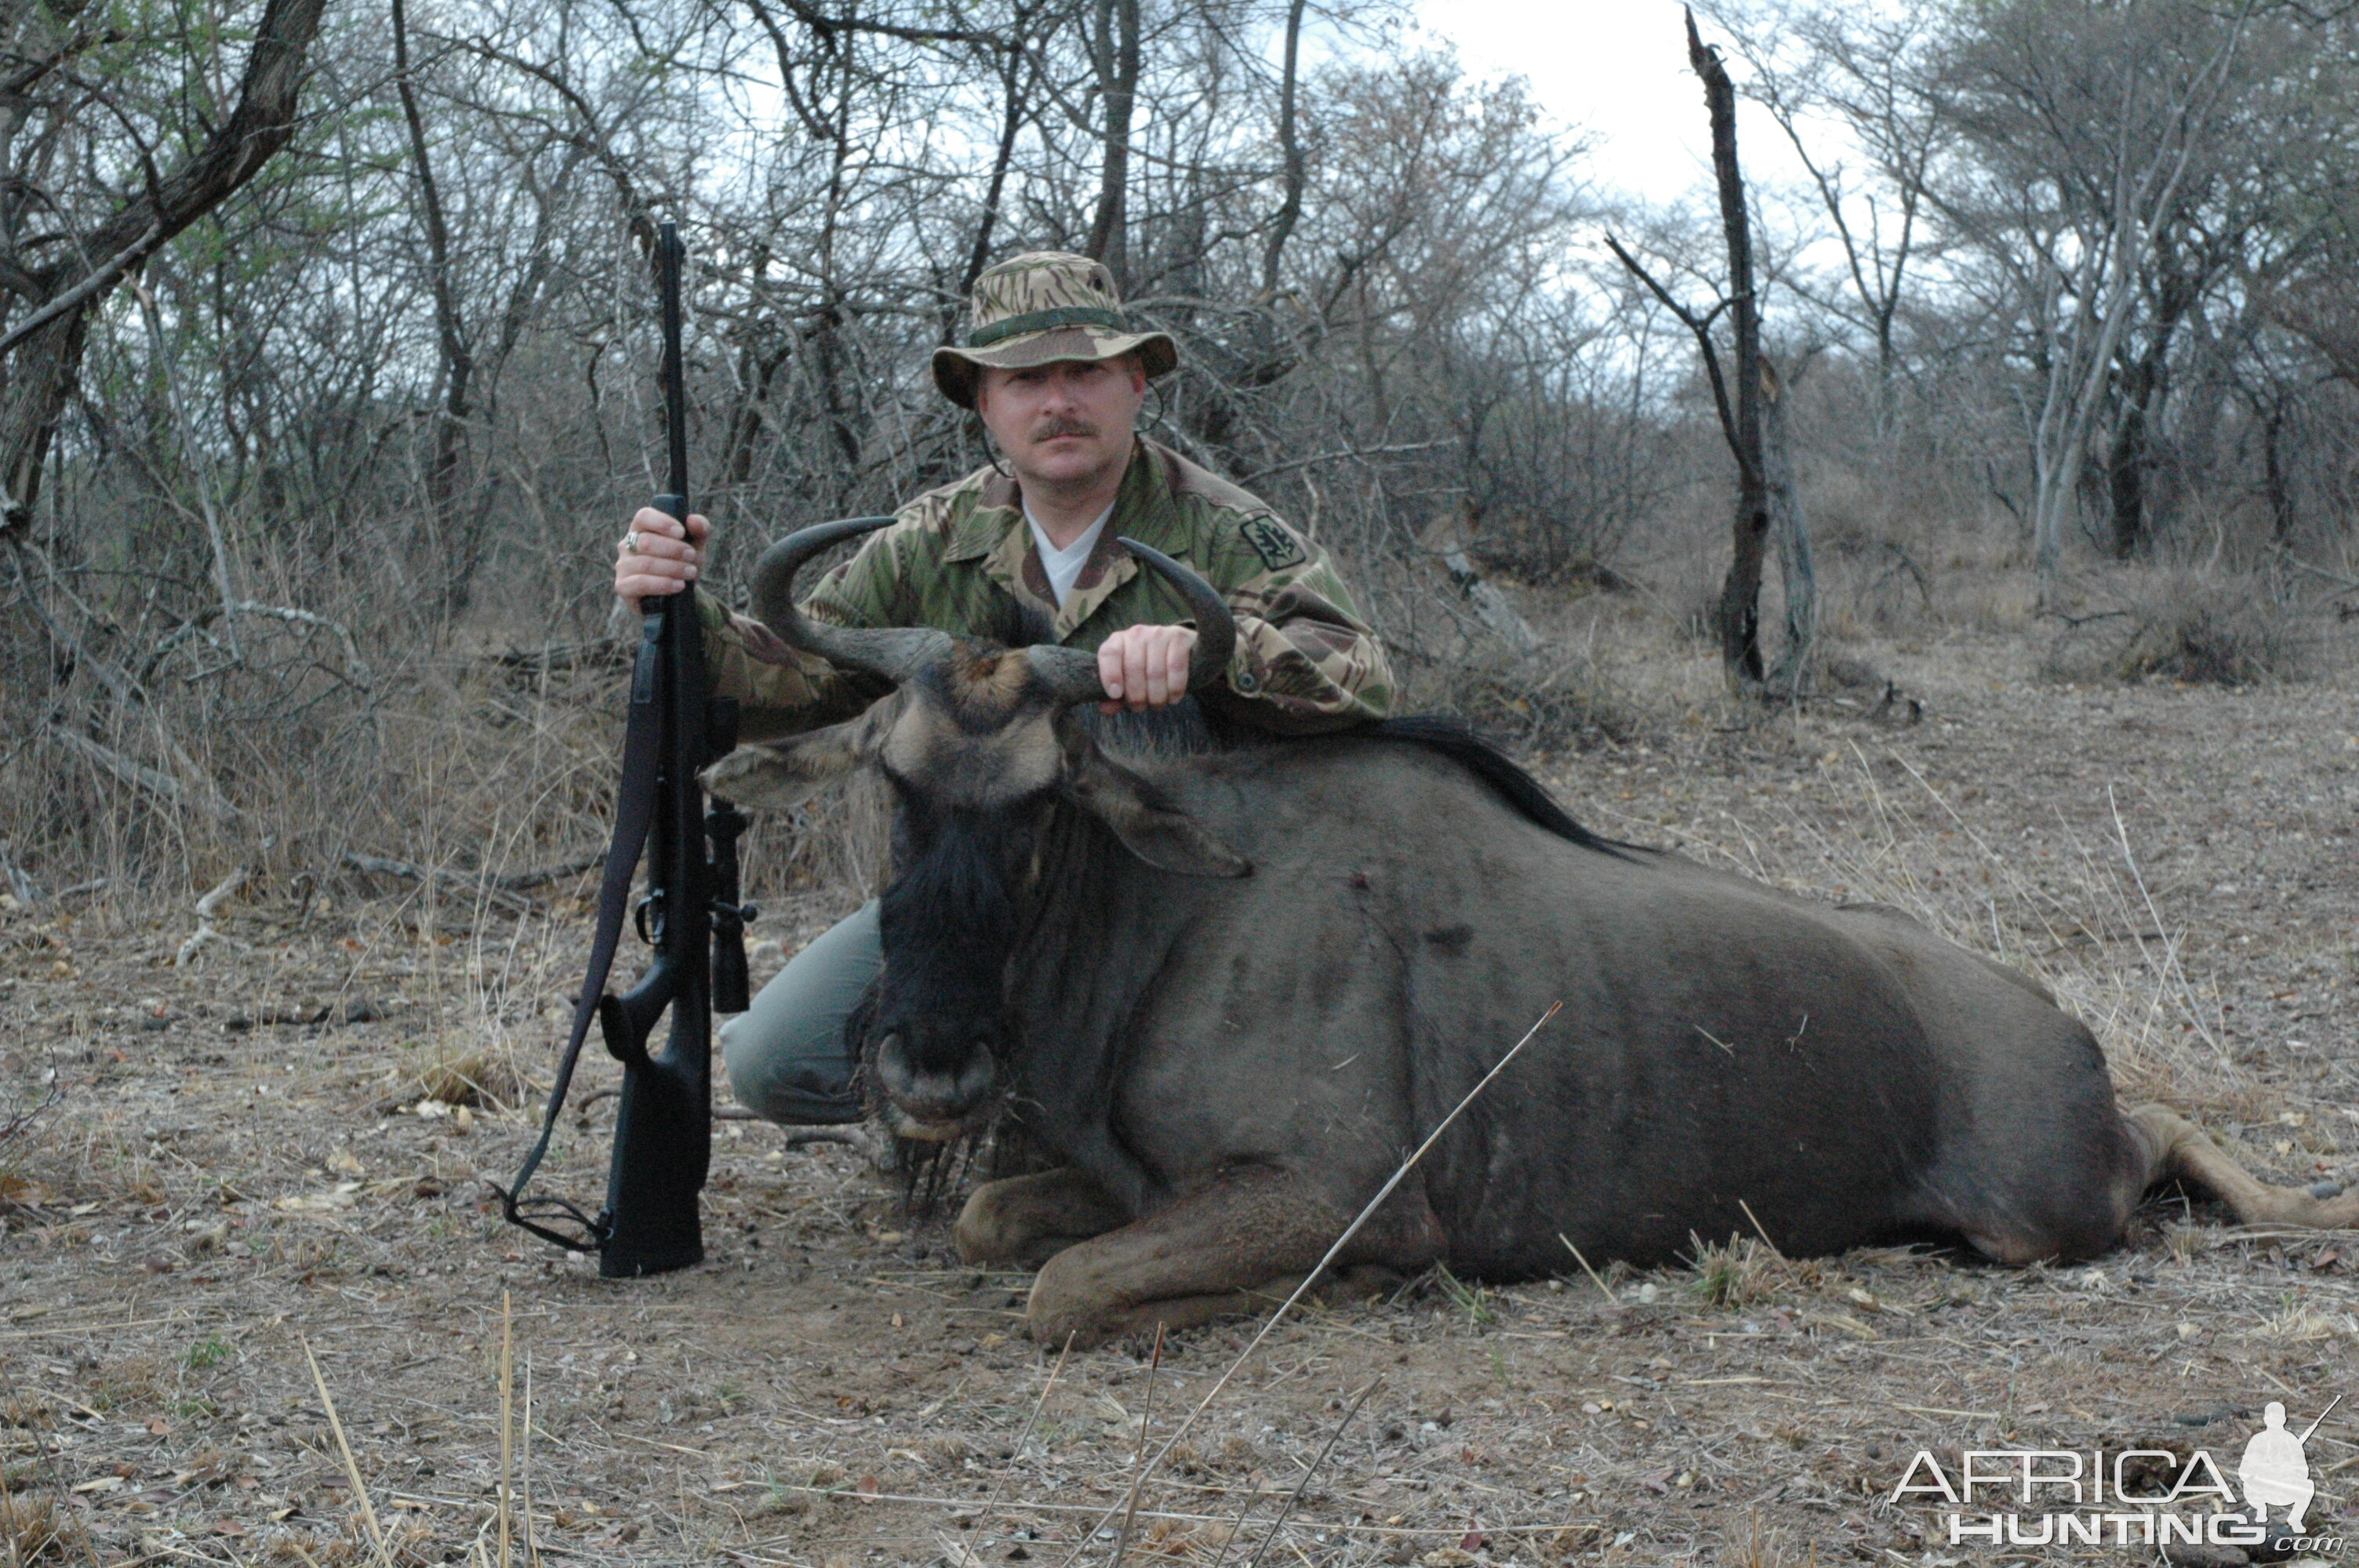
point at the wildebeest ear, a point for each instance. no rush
(1149, 825)
(782, 775)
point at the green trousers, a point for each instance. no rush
(788, 1059)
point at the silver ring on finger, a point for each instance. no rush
(631, 543)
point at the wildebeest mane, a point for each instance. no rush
(1509, 782)
(1181, 729)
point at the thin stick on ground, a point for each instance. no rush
(1757, 1230)
(1138, 1456)
(507, 1419)
(1016, 1455)
(1304, 1484)
(352, 1468)
(1603, 1288)
(1236, 1528)
(531, 1541)
(1288, 1304)
(2171, 964)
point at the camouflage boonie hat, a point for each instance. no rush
(1038, 308)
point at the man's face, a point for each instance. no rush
(1067, 424)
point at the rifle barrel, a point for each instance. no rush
(670, 254)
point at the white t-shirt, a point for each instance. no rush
(1064, 567)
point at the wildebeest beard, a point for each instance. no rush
(935, 1041)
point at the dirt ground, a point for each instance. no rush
(224, 1182)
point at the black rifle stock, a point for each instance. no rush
(663, 1122)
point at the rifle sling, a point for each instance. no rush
(633, 813)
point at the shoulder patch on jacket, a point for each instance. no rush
(1272, 541)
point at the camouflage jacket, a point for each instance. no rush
(962, 559)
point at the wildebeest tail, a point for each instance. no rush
(1493, 767)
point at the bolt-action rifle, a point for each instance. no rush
(690, 916)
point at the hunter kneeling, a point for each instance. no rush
(1022, 555)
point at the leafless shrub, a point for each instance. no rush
(28, 1086)
(1555, 699)
(2207, 628)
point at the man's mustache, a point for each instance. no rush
(1055, 427)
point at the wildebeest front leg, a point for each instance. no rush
(1023, 1221)
(1229, 1248)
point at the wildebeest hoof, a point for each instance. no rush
(1078, 1295)
(1023, 1221)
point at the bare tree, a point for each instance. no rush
(2073, 238)
(56, 277)
(1737, 394)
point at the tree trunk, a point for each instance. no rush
(2280, 493)
(443, 470)
(1737, 620)
(1289, 146)
(1791, 526)
(1012, 67)
(1116, 51)
(2125, 477)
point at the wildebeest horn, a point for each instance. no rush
(1217, 629)
(1071, 675)
(893, 654)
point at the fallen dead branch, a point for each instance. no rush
(490, 891)
(145, 777)
(211, 901)
(343, 1447)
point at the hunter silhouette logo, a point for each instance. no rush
(2143, 1496)
(2276, 1471)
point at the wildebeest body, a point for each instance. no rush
(1232, 989)
(1721, 1042)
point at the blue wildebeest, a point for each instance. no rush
(1228, 988)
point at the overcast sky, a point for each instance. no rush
(1617, 69)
